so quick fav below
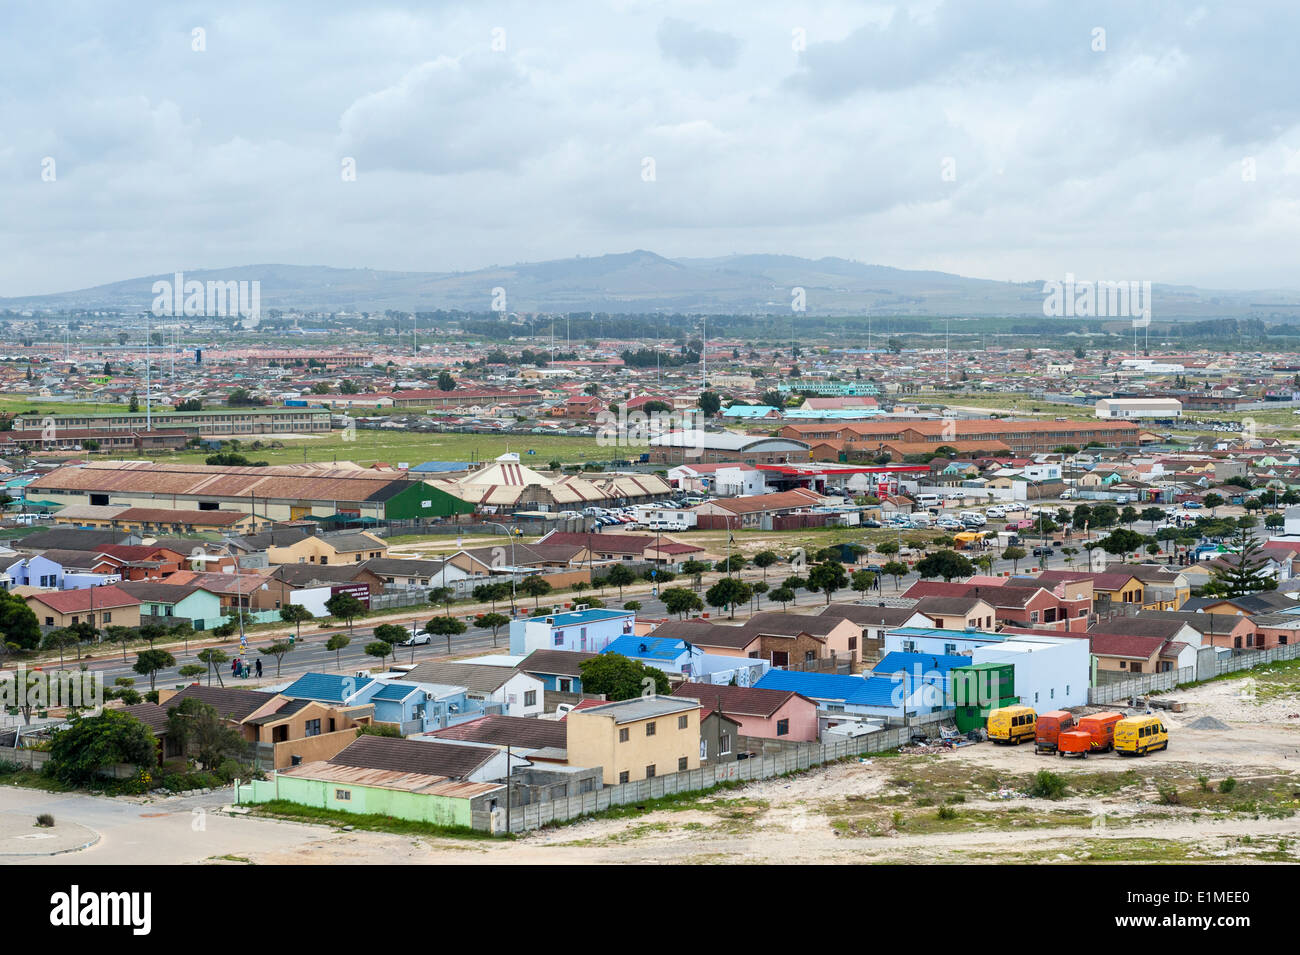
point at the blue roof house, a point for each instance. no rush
(669, 654)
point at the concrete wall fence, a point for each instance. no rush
(793, 759)
(1137, 686)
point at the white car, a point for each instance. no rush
(997, 513)
(420, 639)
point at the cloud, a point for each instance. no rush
(693, 46)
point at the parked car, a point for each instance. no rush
(1043, 551)
(871, 523)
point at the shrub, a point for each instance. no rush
(45, 821)
(1204, 783)
(1228, 785)
(1168, 794)
(947, 812)
(1047, 785)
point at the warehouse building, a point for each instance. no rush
(1021, 437)
(1139, 408)
(233, 423)
(681, 447)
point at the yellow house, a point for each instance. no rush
(351, 548)
(636, 739)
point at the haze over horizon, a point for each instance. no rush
(918, 136)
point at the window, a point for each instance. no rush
(704, 748)
(681, 764)
(950, 649)
(782, 727)
(566, 686)
(622, 735)
(650, 729)
(559, 638)
(683, 722)
(106, 617)
(623, 777)
(724, 744)
(344, 795)
(530, 697)
(650, 771)
(312, 728)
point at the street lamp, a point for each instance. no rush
(513, 565)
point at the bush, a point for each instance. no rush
(230, 770)
(1168, 794)
(1047, 785)
(946, 812)
(1228, 785)
(8, 767)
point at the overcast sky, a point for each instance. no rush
(491, 133)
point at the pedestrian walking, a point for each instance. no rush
(259, 669)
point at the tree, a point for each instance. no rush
(759, 588)
(133, 406)
(344, 606)
(1244, 571)
(190, 671)
(1015, 555)
(733, 564)
(536, 587)
(765, 559)
(710, 403)
(1153, 515)
(92, 744)
(393, 634)
(149, 662)
(621, 678)
(442, 595)
(197, 727)
(1081, 516)
(445, 627)
(446, 382)
(728, 592)
(696, 569)
(297, 615)
(896, 569)
(213, 658)
(1121, 541)
(494, 620)
(59, 640)
(620, 577)
(1128, 515)
(19, 628)
(491, 593)
(827, 577)
(863, 580)
(783, 596)
(680, 600)
(946, 564)
(1104, 515)
(337, 643)
(277, 649)
(380, 649)
(633, 605)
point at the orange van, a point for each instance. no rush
(1050, 726)
(1074, 743)
(1101, 727)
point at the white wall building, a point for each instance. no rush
(1051, 672)
(1139, 408)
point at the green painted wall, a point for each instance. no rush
(409, 504)
(441, 810)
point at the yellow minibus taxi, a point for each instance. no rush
(1011, 724)
(1138, 735)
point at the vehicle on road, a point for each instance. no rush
(417, 639)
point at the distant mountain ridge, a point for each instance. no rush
(643, 281)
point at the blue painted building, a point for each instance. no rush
(413, 706)
(669, 654)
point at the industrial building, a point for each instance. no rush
(233, 423)
(1139, 408)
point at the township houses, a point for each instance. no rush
(1115, 586)
(768, 714)
(167, 603)
(1014, 601)
(559, 670)
(300, 545)
(137, 561)
(98, 606)
(608, 548)
(779, 638)
(517, 693)
(636, 739)
(1214, 629)
(283, 730)
(1144, 644)
(966, 612)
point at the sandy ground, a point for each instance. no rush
(869, 810)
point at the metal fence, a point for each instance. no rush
(1136, 686)
(792, 760)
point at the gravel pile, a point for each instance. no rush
(1208, 723)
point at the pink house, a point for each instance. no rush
(770, 714)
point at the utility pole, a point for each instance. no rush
(148, 379)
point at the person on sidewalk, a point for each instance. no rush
(258, 668)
